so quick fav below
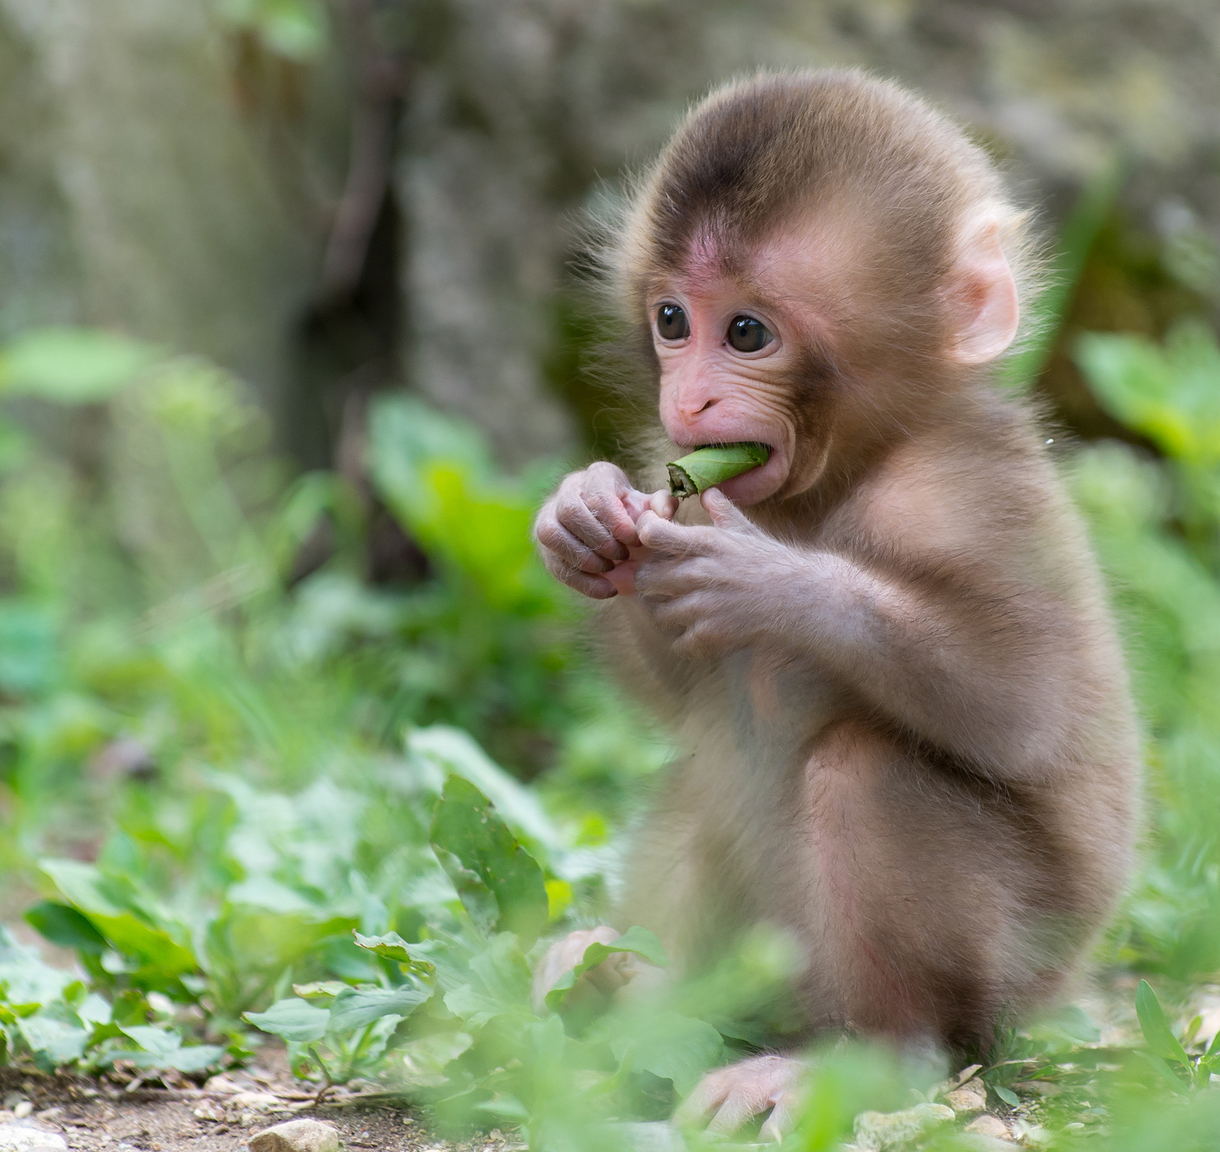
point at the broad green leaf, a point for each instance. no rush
(72, 365)
(293, 1019)
(1169, 392)
(355, 1007)
(456, 752)
(63, 925)
(320, 991)
(638, 940)
(391, 946)
(82, 885)
(669, 1045)
(193, 1058)
(1160, 1040)
(58, 1041)
(1006, 1094)
(466, 825)
(157, 1042)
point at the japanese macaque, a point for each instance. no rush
(907, 739)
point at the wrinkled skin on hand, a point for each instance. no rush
(704, 586)
(726, 1098)
(714, 590)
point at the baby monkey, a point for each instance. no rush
(907, 738)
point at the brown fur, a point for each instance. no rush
(931, 782)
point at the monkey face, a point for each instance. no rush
(742, 360)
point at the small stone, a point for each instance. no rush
(976, 1142)
(969, 1098)
(209, 1110)
(882, 1130)
(297, 1136)
(989, 1125)
(1045, 1088)
(22, 1109)
(255, 1102)
(16, 1139)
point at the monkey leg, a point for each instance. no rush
(940, 905)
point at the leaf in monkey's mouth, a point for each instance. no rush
(714, 464)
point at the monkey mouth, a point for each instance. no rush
(757, 484)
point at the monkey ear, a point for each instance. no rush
(982, 295)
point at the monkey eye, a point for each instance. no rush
(748, 335)
(672, 323)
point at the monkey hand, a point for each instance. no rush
(562, 956)
(714, 589)
(731, 1096)
(587, 530)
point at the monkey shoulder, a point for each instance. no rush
(992, 502)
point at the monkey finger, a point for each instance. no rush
(595, 587)
(724, 513)
(573, 553)
(740, 1106)
(616, 513)
(671, 538)
(664, 504)
(588, 526)
(782, 1119)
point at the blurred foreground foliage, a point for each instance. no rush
(250, 801)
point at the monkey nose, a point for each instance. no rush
(695, 406)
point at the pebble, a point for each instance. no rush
(16, 1139)
(297, 1136)
(883, 1130)
(970, 1097)
(989, 1125)
(977, 1142)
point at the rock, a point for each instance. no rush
(976, 1142)
(14, 1138)
(989, 1125)
(882, 1130)
(297, 1136)
(969, 1098)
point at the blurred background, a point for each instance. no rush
(294, 335)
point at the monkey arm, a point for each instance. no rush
(993, 674)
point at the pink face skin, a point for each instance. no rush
(713, 393)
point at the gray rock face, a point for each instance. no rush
(297, 1136)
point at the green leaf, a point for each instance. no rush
(638, 940)
(57, 1041)
(391, 946)
(63, 925)
(293, 1019)
(72, 365)
(1160, 1040)
(706, 467)
(669, 1045)
(1006, 1094)
(355, 1007)
(84, 887)
(466, 825)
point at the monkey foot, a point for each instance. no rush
(731, 1096)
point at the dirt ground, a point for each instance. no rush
(96, 1115)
